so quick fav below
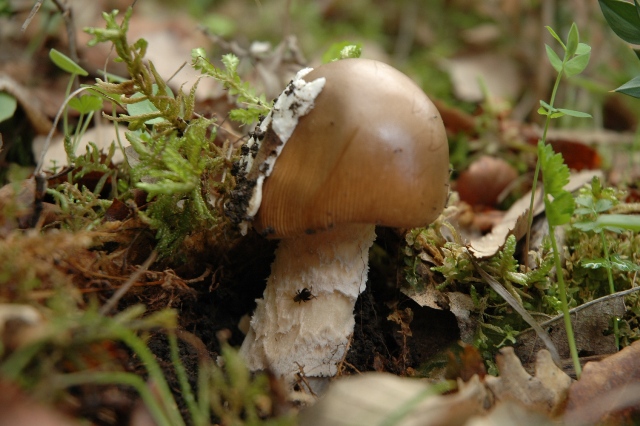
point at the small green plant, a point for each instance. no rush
(592, 203)
(559, 206)
(342, 50)
(174, 158)
(54, 361)
(499, 320)
(86, 105)
(253, 106)
(559, 203)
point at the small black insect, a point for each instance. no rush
(303, 295)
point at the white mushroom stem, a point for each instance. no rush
(286, 335)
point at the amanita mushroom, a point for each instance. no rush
(348, 146)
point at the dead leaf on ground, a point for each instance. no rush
(29, 103)
(17, 409)
(590, 321)
(456, 120)
(574, 147)
(515, 220)
(25, 207)
(608, 391)
(373, 398)
(380, 398)
(510, 413)
(546, 391)
(464, 362)
(460, 304)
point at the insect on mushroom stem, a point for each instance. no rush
(348, 146)
(303, 295)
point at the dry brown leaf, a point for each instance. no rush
(515, 220)
(490, 244)
(545, 391)
(573, 145)
(21, 207)
(464, 362)
(608, 391)
(17, 409)
(511, 413)
(29, 103)
(456, 120)
(590, 324)
(459, 304)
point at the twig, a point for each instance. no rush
(591, 303)
(177, 71)
(127, 285)
(47, 142)
(67, 15)
(302, 378)
(34, 10)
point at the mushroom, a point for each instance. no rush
(348, 146)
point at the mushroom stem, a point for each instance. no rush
(312, 335)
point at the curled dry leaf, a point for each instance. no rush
(608, 391)
(459, 304)
(545, 392)
(515, 220)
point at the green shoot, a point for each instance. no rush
(86, 105)
(342, 50)
(67, 64)
(174, 156)
(559, 204)
(253, 106)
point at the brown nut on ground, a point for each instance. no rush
(366, 147)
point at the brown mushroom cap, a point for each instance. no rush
(372, 150)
